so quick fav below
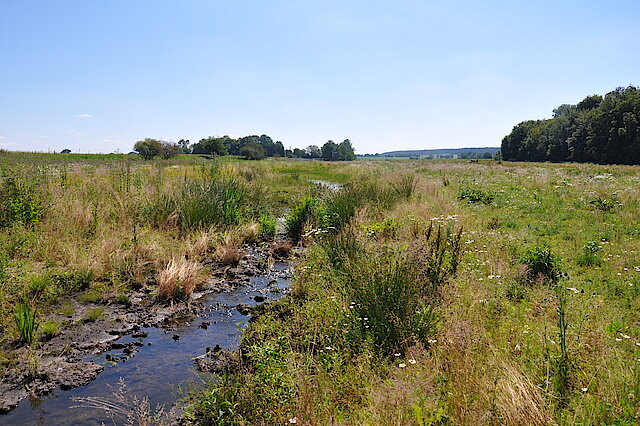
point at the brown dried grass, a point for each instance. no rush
(179, 279)
(281, 249)
(519, 401)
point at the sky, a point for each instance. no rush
(95, 76)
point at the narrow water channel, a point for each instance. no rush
(164, 361)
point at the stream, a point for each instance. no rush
(164, 362)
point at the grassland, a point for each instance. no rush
(429, 292)
(531, 317)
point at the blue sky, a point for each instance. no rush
(97, 76)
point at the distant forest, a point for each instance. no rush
(250, 147)
(486, 152)
(596, 130)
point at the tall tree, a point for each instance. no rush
(253, 151)
(148, 148)
(330, 151)
(313, 151)
(602, 130)
(184, 146)
(345, 151)
(211, 145)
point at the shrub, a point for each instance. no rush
(253, 151)
(541, 265)
(19, 203)
(474, 195)
(148, 148)
(25, 319)
(169, 149)
(179, 279)
(385, 229)
(604, 204)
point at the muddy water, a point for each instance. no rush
(164, 361)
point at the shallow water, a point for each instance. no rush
(330, 185)
(159, 369)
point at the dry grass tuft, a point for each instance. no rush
(179, 279)
(200, 246)
(228, 255)
(519, 401)
(281, 249)
(249, 233)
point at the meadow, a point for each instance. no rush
(428, 292)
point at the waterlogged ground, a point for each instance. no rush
(494, 353)
(164, 362)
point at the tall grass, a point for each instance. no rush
(198, 205)
(389, 300)
(394, 291)
(301, 216)
(179, 279)
(20, 201)
(26, 321)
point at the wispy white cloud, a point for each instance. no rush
(7, 144)
(76, 133)
(83, 116)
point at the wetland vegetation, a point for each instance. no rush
(424, 292)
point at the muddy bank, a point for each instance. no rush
(77, 355)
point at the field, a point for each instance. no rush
(426, 292)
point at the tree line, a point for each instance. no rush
(250, 147)
(603, 130)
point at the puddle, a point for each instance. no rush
(329, 185)
(164, 360)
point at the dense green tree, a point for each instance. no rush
(313, 151)
(184, 146)
(299, 153)
(169, 149)
(330, 151)
(598, 129)
(211, 145)
(590, 102)
(279, 149)
(345, 151)
(226, 145)
(148, 148)
(253, 151)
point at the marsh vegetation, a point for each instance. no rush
(425, 292)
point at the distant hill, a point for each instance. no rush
(439, 153)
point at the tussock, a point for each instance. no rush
(519, 401)
(179, 279)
